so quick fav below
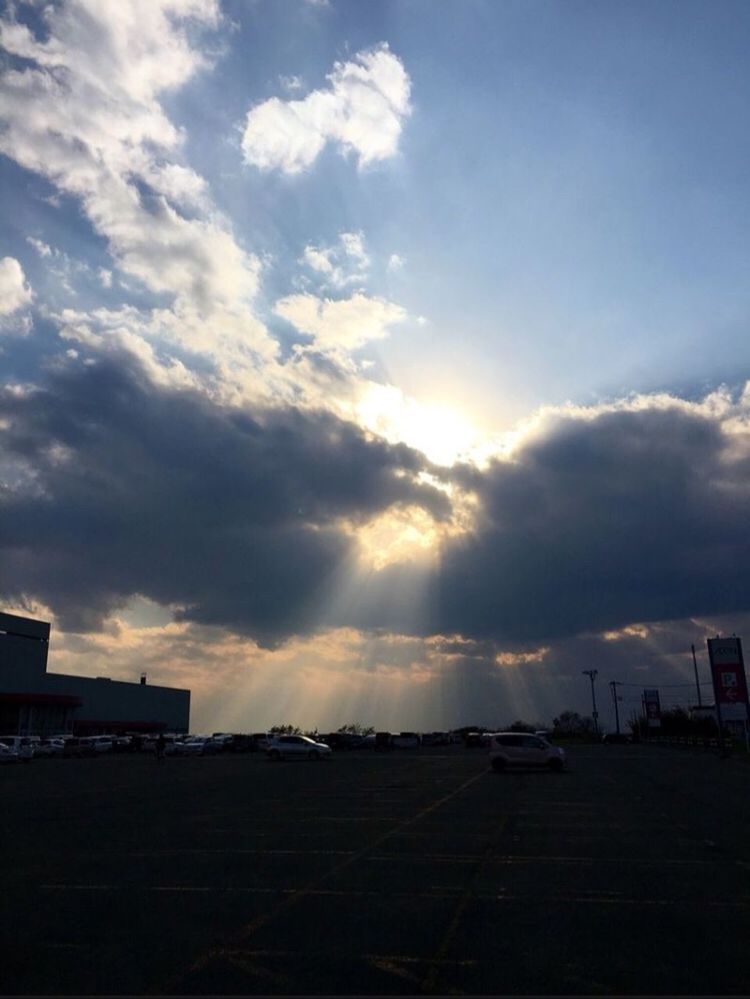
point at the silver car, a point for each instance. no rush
(297, 746)
(521, 749)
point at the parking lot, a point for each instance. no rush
(395, 873)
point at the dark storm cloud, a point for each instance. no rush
(626, 517)
(116, 487)
(141, 489)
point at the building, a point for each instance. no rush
(35, 702)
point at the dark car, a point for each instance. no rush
(383, 741)
(343, 740)
(617, 739)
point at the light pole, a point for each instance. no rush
(697, 682)
(592, 675)
(613, 687)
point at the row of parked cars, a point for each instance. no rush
(24, 748)
(505, 748)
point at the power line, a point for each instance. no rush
(664, 686)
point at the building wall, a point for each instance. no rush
(23, 663)
(24, 644)
(116, 701)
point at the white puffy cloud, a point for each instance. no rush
(395, 262)
(14, 291)
(344, 263)
(84, 109)
(343, 324)
(354, 246)
(361, 111)
(85, 113)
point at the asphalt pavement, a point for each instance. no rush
(399, 873)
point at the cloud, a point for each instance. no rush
(15, 293)
(42, 248)
(82, 106)
(601, 518)
(291, 84)
(361, 112)
(395, 262)
(612, 535)
(238, 517)
(85, 113)
(344, 263)
(596, 521)
(343, 324)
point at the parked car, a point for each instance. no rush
(50, 747)
(342, 740)
(195, 745)
(521, 749)
(74, 747)
(383, 741)
(8, 754)
(435, 739)
(406, 740)
(617, 739)
(473, 740)
(243, 743)
(98, 743)
(148, 745)
(297, 747)
(22, 745)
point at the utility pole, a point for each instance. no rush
(592, 675)
(695, 667)
(613, 686)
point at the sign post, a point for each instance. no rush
(729, 682)
(653, 708)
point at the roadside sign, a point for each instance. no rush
(728, 676)
(653, 708)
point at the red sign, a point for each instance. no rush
(728, 675)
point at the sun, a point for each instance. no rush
(440, 432)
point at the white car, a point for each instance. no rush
(8, 754)
(297, 747)
(196, 745)
(97, 743)
(521, 749)
(22, 746)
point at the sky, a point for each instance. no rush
(380, 363)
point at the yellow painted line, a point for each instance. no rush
(408, 959)
(81, 887)
(425, 857)
(511, 859)
(438, 893)
(259, 851)
(264, 918)
(429, 983)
